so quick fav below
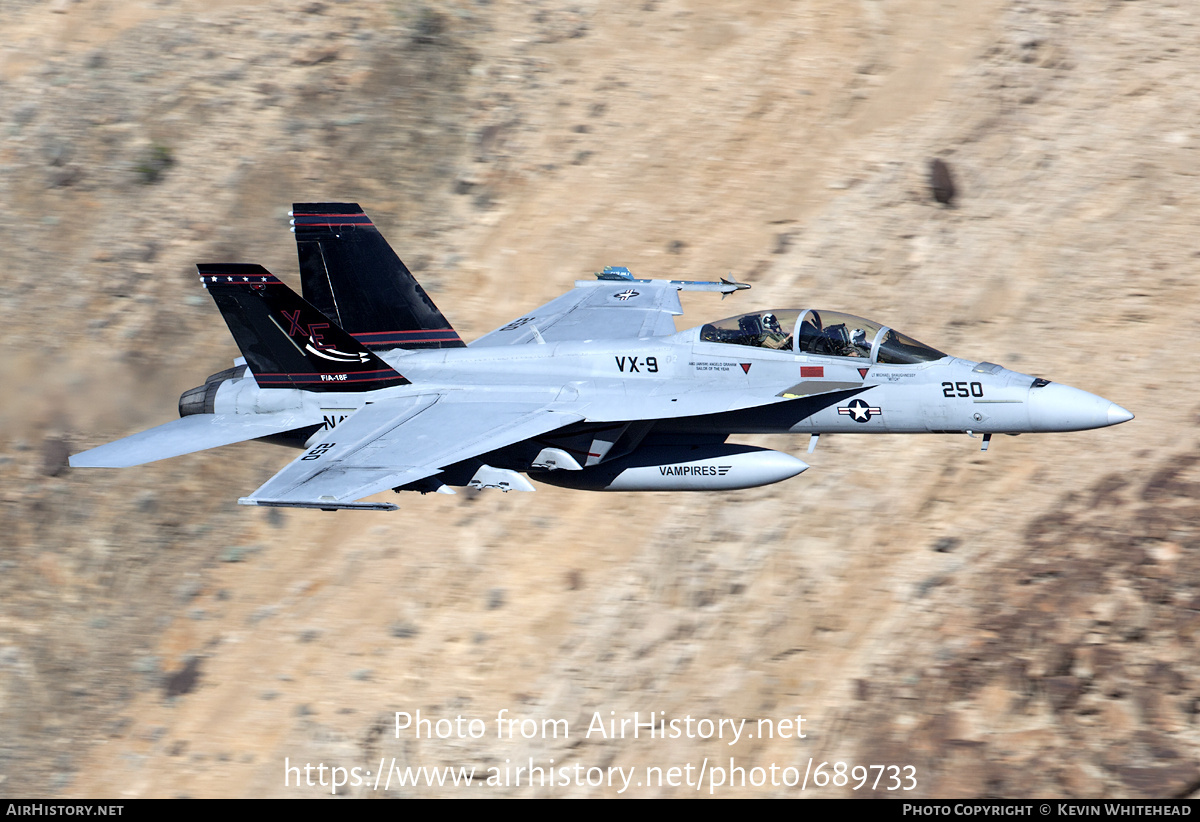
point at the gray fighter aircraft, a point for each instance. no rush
(594, 390)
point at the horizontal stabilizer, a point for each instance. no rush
(186, 435)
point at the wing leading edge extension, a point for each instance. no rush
(395, 442)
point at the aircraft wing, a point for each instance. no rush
(187, 434)
(601, 310)
(397, 441)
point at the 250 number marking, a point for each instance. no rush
(318, 451)
(962, 389)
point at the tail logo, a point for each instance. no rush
(297, 330)
(315, 344)
(332, 354)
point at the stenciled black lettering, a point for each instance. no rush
(318, 451)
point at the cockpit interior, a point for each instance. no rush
(824, 333)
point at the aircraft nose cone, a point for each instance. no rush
(1057, 407)
(1117, 414)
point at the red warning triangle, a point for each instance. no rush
(745, 367)
(862, 372)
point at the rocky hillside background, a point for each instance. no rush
(1017, 623)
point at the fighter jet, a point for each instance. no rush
(594, 390)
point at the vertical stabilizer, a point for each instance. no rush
(286, 341)
(349, 272)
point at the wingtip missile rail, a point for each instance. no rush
(620, 273)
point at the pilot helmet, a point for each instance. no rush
(770, 322)
(858, 338)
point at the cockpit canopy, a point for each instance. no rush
(825, 333)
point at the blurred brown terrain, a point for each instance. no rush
(1020, 623)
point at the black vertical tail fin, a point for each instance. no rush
(286, 341)
(349, 272)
